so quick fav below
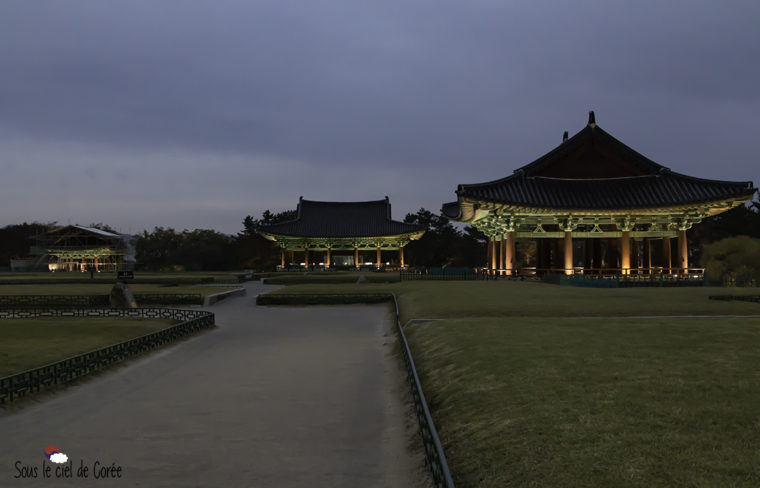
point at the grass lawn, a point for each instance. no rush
(217, 276)
(529, 401)
(550, 386)
(452, 299)
(105, 289)
(30, 343)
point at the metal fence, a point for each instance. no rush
(620, 281)
(83, 301)
(17, 385)
(449, 276)
(435, 459)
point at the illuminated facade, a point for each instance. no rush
(341, 233)
(594, 206)
(79, 248)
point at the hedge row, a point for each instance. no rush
(322, 299)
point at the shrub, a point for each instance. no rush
(732, 259)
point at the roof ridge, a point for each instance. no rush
(612, 178)
(329, 202)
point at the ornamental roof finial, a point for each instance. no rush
(591, 118)
(564, 136)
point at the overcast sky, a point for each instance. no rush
(192, 114)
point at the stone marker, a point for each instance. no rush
(121, 297)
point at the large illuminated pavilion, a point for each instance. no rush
(594, 206)
(334, 234)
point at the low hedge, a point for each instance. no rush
(322, 299)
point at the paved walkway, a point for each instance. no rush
(274, 397)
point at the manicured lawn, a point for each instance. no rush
(547, 386)
(594, 402)
(30, 343)
(190, 276)
(104, 289)
(454, 299)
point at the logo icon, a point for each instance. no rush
(55, 455)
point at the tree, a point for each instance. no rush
(733, 258)
(15, 240)
(743, 220)
(200, 249)
(443, 244)
(253, 250)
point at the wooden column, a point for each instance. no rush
(510, 256)
(493, 255)
(648, 255)
(596, 254)
(329, 257)
(635, 261)
(625, 253)
(306, 258)
(568, 244)
(283, 259)
(489, 250)
(502, 254)
(683, 252)
(378, 263)
(356, 257)
(401, 256)
(588, 253)
(667, 260)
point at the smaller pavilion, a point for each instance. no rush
(80, 248)
(333, 234)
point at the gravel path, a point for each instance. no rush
(274, 397)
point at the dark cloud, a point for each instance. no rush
(339, 99)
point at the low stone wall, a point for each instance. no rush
(216, 297)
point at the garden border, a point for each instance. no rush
(217, 297)
(69, 369)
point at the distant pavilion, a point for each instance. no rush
(80, 248)
(336, 233)
(595, 206)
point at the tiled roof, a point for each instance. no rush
(593, 170)
(342, 219)
(664, 190)
(91, 230)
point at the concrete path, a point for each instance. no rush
(274, 397)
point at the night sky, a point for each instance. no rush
(195, 114)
